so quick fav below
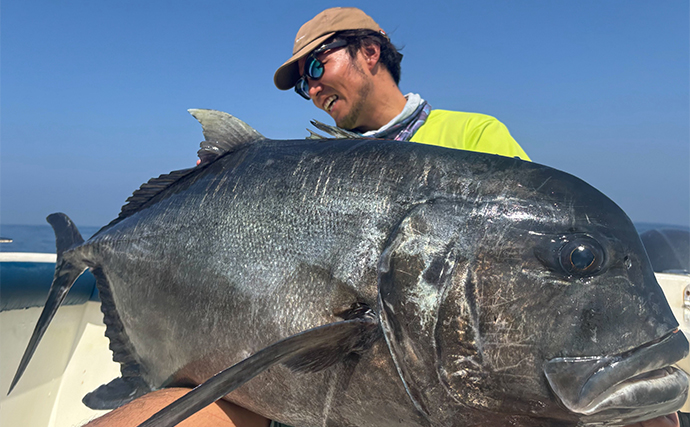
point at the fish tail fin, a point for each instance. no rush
(66, 234)
(66, 273)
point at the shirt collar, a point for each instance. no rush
(413, 102)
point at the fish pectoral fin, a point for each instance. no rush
(324, 351)
(116, 393)
(326, 344)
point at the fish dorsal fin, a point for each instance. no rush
(222, 133)
(334, 131)
(154, 186)
(147, 192)
(314, 135)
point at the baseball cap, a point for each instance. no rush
(316, 31)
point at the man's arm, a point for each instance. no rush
(667, 421)
(226, 414)
(219, 414)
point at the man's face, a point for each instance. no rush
(343, 90)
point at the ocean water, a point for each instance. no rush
(646, 226)
(34, 238)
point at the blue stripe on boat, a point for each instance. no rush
(25, 284)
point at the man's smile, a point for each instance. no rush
(328, 104)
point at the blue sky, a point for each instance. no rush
(94, 94)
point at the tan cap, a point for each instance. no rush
(315, 32)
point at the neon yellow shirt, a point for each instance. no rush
(468, 131)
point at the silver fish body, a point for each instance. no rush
(507, 292)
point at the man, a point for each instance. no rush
(347, 66)
(344, 62)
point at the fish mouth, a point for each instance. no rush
(632, 386)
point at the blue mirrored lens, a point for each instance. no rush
(313, 68)
(302, 88)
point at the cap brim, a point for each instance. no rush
(288, 73)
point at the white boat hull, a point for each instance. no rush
(72, 360)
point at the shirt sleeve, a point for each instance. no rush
(492, 136)
(468, 131)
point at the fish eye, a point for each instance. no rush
(581, 257)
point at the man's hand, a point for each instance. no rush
(665, 421)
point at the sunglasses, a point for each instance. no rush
(313, 68)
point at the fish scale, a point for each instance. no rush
(367, 282)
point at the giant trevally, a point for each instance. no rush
(436, 287)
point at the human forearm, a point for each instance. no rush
(667, 421)
(219, 414)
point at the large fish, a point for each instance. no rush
(436, 287)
